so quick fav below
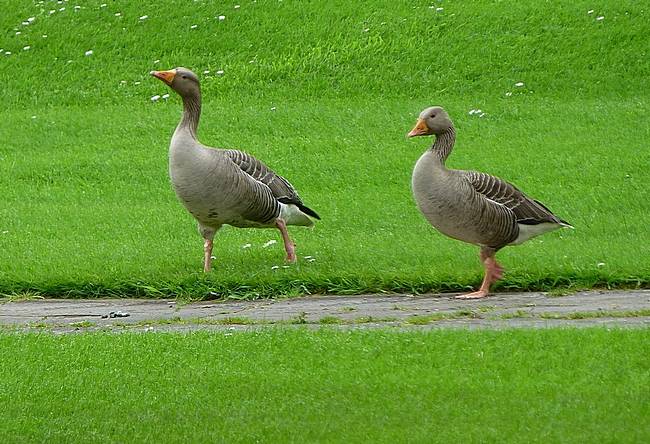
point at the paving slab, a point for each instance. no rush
(502, 310)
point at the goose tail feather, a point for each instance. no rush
(292, 214)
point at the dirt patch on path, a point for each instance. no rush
(504, 310)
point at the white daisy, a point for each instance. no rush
(269, 243)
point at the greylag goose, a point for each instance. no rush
(225, 186)
(471, 206)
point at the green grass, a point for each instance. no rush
(597, 314)
(87, 209)
(327, 386)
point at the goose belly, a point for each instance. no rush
(217, 194)
(445, 216)
(445, 206)
(216, 209)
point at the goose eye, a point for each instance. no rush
(184, 76)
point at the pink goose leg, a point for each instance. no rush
(288, 244)
(207, 255)
(493, 272)
(208, 234)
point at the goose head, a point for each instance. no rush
(181, 80)
(433, 120)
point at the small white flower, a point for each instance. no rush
(7, 52)
(31, 19)
(117, 14)
(44, 36)
(246, 246)
(136, 83)
(27, 48)
(273, 108)
(237, 6)
(5, 232)
(481, 115)
(251, 61)
(18, 32)
(439, 9)
(165, 96)
(155, 98)
(222, 18)
(220, 72)
(275, 267)
(308, 257)
(52, 11)
(194, 26)
(77, 7)
(519, 84)
(285, 266)
(88, 53)
(600, 264)
(144, 17)
(103, 5)
(156, 61)
(269, 243)
(472, 111)
(24, 23)
(508, 94)
(123, 82)
(33, 117)
(366, 29)
(62, 9)
(207, 71)
(602, 17)
(591, 11)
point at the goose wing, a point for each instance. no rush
(280, 187)
(496, 191)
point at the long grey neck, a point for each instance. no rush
(191, 113)
(444, 144)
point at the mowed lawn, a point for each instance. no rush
(327, 386)
(324, 93)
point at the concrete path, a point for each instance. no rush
(536, 310)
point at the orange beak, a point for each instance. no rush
(420, 129)
(165, 76)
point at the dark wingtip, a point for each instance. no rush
(309, 212)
